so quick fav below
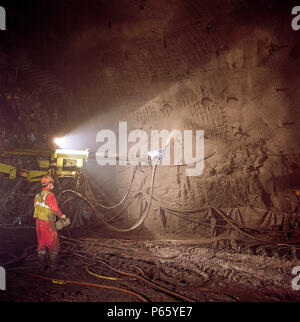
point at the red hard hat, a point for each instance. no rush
(46, 179)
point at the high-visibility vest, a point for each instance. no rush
(41, 209)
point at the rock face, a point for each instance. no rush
(226, 67)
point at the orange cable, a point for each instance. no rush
(84, 283)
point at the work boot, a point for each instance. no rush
(42, 258)
(53, 260)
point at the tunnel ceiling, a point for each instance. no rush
(115, 56)
(226, 67)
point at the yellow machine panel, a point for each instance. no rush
(8, 169)
(61, 163)
(43, 164)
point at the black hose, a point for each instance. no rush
(139, 221)
(122, 200)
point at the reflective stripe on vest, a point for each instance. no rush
(42, 204)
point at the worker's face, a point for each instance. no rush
(51, 185)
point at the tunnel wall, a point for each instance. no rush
(228, 68)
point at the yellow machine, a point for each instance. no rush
(60, 163)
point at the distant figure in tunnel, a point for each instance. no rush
(45, 212)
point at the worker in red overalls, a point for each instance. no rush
(45, 212)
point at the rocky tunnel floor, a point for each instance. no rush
(95, 266)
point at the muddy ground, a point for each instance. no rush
(169, 270)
